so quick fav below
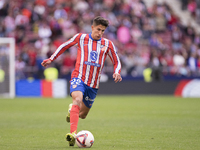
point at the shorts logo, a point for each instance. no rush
(89, 99)
(93, 55)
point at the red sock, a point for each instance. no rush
(74, 117)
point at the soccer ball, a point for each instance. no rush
(84, 139)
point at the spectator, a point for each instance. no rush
(68, 64)
(44, 31)
(9, 23)
(184, 4)
(192, 63)
(160, 22)
(21, 19)
(156, 67)
(123, 34)
(60, 13)
(19, 68)
(179, 64)
(136, 33)
(176, 38)
(192, 7)
(198, 64)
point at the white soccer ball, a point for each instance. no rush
(84, 139)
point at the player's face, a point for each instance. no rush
(97, 31)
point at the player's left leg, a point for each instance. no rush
(84, 110)
(87, 101)
(68, 113)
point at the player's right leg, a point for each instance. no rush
(77, 97)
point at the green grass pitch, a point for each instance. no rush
(117, 123)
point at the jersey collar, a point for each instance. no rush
(90, 35)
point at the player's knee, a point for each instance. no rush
(77, 101)
(77, 98)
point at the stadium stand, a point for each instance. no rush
(146, 37)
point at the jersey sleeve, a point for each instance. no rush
(114, 58)
(63, 47)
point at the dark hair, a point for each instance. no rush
(100, 21)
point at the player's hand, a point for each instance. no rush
(117, 77)
(46, 62)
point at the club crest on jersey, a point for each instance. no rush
(103, 49)
(74, 86)
(102, 46)
(93, 55)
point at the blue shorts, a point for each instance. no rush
(89, 94)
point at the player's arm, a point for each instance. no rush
(116, 62)
(63, 47)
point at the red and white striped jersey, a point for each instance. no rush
(91, 56)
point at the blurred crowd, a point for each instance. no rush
(193, 6)
(144, 37)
